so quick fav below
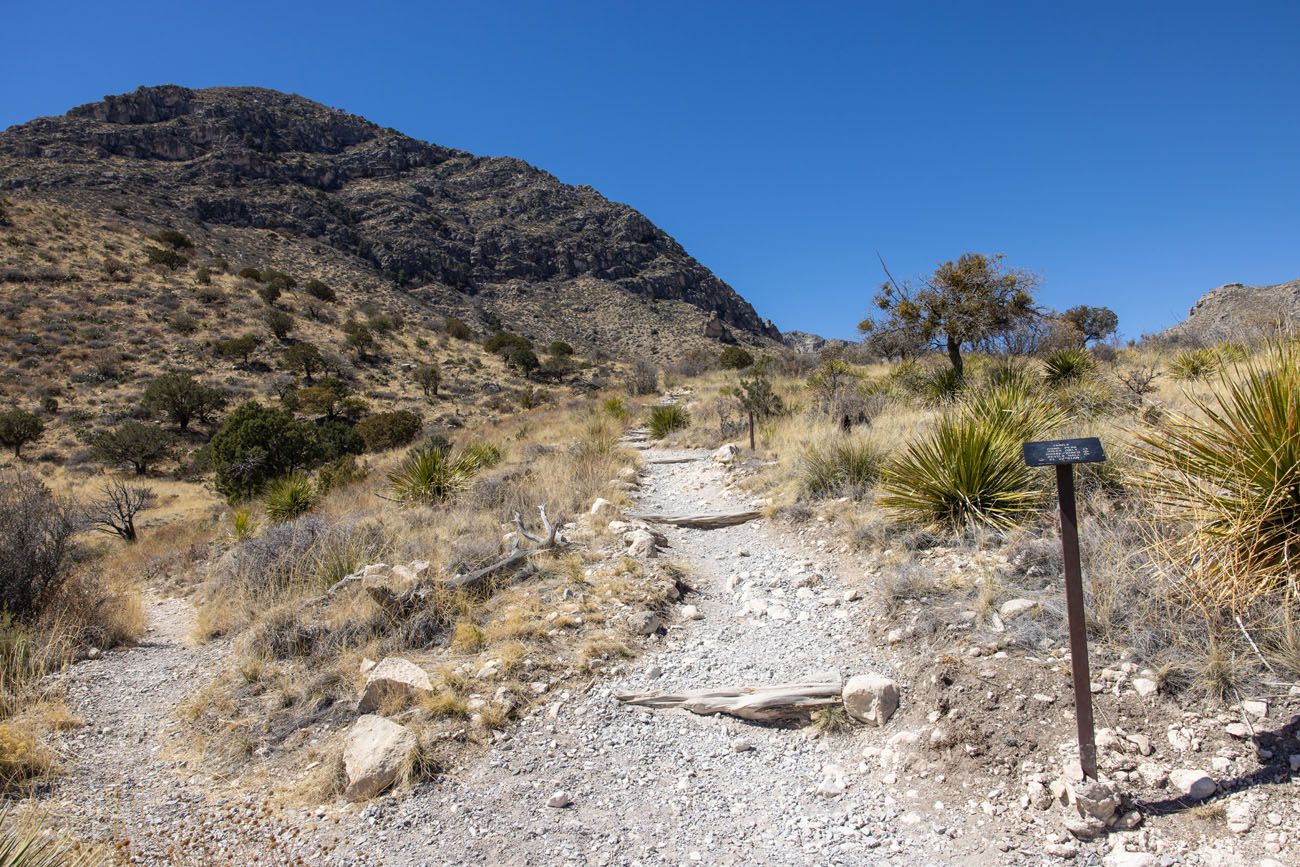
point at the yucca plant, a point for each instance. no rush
(939, 386)
(1068, 365)
(483, 455)
(615, 407)
(845, 466)
(1195, 364)
(33, 847)
(666, 419)
(429, 476)
(970, 470)
(1232, 473)
(1008, 371)
(289, 497)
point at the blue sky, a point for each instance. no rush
(1133, 154)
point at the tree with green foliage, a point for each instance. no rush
(280, 323)
(387, 430)
(237, 347)
(172, 238)
(320, 291)
(559, 349)
(169, 259)
(1093, 323)
(181, 398)
(524, 360)
(251, 274)
(132, 442)
(429, 378)
(257, 443)
(457, 329)
(19, 427)
(362, 341)
(303, 356)
(735, 358)
(964, 304)
(503, 343)
(759, 401)
(269, 293)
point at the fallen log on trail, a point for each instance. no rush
(685, 460)
(702, 521)
(776, 703)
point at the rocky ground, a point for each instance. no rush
(587, 779)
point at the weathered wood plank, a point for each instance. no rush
(701, 521)
(783, 701)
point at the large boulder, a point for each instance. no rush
(375, 755)
(394, 681)
(870, 698)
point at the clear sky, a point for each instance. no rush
(1134, 154)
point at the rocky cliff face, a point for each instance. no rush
(1235, 311)
(802, 341)
(442, 224)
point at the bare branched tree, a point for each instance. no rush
(116, 512)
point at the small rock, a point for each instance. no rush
(1191, 783)
(742, 745)
(870, 698)
(726, 454)
(1257, 709)
(559, 799)
(600, 505)
(1145, 686)
(1121, 858)
(374, 755)
(644, 623)
(690, 612)
(1237, 730)
(1239, 815)
(832, 784)
(1013, 608)
(394, 680)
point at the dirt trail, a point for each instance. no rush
(647, 787)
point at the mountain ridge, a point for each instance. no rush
(450, 228)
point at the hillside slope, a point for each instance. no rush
(265, 178)
(1235, 311)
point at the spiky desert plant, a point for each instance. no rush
(482, 455)
(844, 466)
(31, 846)
(940, 386)
(1195, 364)
(289, 497)
(1068, 365)
(1008, 371)
(666, 419)
(430, 475)
(969, 470)
(1232, 473)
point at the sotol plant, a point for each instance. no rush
(1232, 472)
(845, 466)
(666, 419)
(430, 475)
(289, 497)
(969, 470)
(1068, 365)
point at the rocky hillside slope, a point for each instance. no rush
(1235, 311)
(491, 239)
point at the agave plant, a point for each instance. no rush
(289, 497)
(1068, 365)
(430, 475)
(1232, 472)
(1195, 364)
(666, 419)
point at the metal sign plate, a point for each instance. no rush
(1052, 452)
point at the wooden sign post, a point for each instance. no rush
(1064, 454)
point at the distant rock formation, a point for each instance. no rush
(1235, 311)
(802, 341)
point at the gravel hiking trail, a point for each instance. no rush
(641, 786)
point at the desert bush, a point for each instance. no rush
(289, 497)
(939, 385)
(457, 329)
(237, 347)
(258, 443)
(428, 377)
(428, 476)
(642, 377)
(504, 343)
(522, 359)
(1068, 365)
(169, 259)
(18, 427)
(482, 455)
(388, 430)
(666, 419)
(279, 323)
(303, 554)
(116, 510)
(172, 238)
(735, 358)
(181, 398)
(279, 280)
(269, 292)
(251, 274)
(1139, 381)
(340, 473)
(1231, 474)
(320, 291)
(1195, 364)
(132, 442)
(841, 467)
(559, 349)
(36, 541)
(615, 407)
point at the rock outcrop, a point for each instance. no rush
(1235, 311)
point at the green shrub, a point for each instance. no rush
(559, 349)
(1068, 365)
(388, 430)
(483, 455)
(337, 439)
(269, 292)
(289, 497)
(428, 476)
(504, 343)
(1195, 364)
(251, 274)
(281, 281)
(18, 427)
(36, 541)
(844, 467)
(280, 323)
(735, 358)
(237, 347)
(172, 238)
(456, 328)
(256, 444)
(522, 359)
(169, 259)
(339, 473)
(666, 419)
(615, 407)
(320, 291)
(1008, 371)
(1232, 475)
(429, 378)
(182, 399)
